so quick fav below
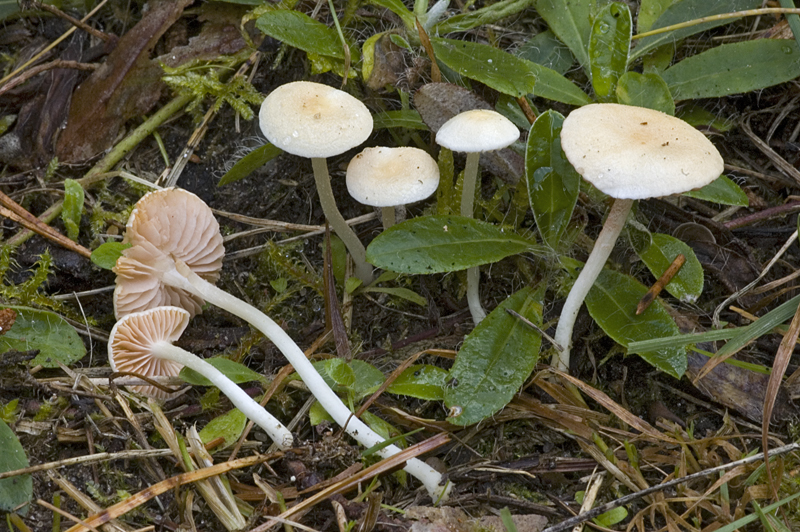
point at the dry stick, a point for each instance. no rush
(660, 283)
(88, 459)
(787, 208)
(66, 514)
(582, 518)
(58, 63)
(105, 37)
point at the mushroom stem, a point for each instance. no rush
(388, 217)
(280, 434)
(467, 209)
(337, 221)
(183, 277)
(594, 265)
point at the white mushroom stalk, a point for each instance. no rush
(473, 132)
(143, 339)
(629, 153)
(161, 269)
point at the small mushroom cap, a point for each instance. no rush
(476, 131)
(314, 120)
(166, 224)
(635, 153)
(386, 177)
(130, 345)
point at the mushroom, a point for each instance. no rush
(317, 121)
(629, 153)
(473, 132)
(158, 266)
(142, 343)
(390, 177)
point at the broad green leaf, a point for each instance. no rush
(546, 50)
(409, 119)
(491, 66)
(612, 304)
(72, 208)
(609, 43)
(721, 190)
(228, 426)
(687, 285)
(357, 377)
(341, 373)
(509, 108)
(488, 14)
(249, 163)
(106, 255)
(645, 90)
(553, 183)
(317, 414)
(571, 21)
(301, 31)
(368, 378)
(686, 10)
(649, 11)
(734, 68)
(696, 116)
(495, 359)
(420, 381)
(384, 429)
(46, 331)
(437, 244)
(236, 372)
(14, 491)
(368, 55)
(398, 8)
(401, 292)
(553, 86)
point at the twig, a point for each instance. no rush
(58, 63)
(88, 459)
(105, 37)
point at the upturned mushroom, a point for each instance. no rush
(317, 121)
(142, 343)
(158, 231)
(629, 153)
(474, 132)
(391, 177)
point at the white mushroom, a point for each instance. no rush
(473, 132)
(317, 121)
(142, 343)
(389, 177)
(629, 153)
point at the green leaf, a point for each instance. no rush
(340, 372)
(72, 208)
(571, 21)
(495, 359)
(649, 11)
(546, 50)
(235, 371)
(495, 68)
(228, 426)
(357, 377)
(437, 244)
(301, 31)
(421, 382)
(734, 68)
(645, 90)
(404, 293)
(612, 304)
(687, 285)
(695, 115)
(317, 414)
(611, 517)
(398, 8)
(46, 331)
(250, 163)
(489, 14)
(407, 118)
(553, 183)
(14, 491)
(553, 86)
(106, 255)
(721, 190)
(684, 11)
(609, 43)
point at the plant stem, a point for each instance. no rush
(183, 277)
(467, 210)
(594, 265)
(338, 223)
(280, 434)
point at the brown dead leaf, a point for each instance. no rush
(447, 519)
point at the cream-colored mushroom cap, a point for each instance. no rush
(476, 131)
(635, 153)
(132, 339)
(314, 120)
(386, 177)
(165, 225)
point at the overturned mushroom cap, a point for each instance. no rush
(131, 342)
(165, 225)
(314, 120)
(476, 131)
(386, 177)
(634, 153)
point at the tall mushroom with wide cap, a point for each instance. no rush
(474, 132)
(156, 264)
(317, 121)
(629, 153)
(390, 177)
(142, 343)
